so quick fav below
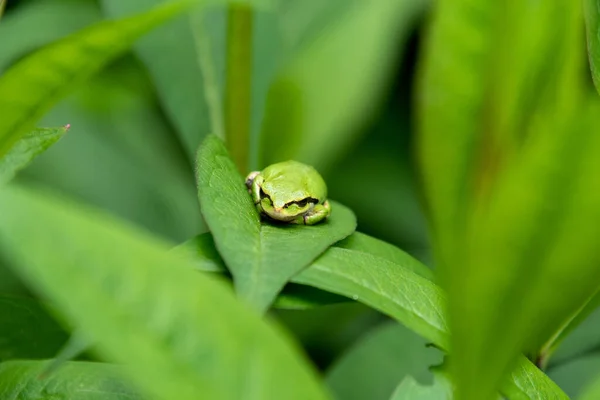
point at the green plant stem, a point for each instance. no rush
(238, 83)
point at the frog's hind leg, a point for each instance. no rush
(317, 214)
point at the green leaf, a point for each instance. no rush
(370, 245)
(33, 85)
(319, 98)
(147, 308)
(592, 22)
(496, 110)
(27, 330)
(414, 301)
(186, 87)
(591, 391)
(409, 389)
(26, 149)
(36, 23)
(262, 257)
(76, 380)
(371, 368)
(574, 376)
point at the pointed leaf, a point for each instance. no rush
(262, 257)
(76, 380)
(146, 308)
(409, 389)
(30, 87)
(26, 149)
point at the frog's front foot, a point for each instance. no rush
(317, 214)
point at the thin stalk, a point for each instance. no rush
(238, 91)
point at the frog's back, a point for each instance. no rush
(294, 177)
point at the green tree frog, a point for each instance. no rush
(291, 192)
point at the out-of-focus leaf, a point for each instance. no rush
(319, 98)
(75, 346)
(414, 301)
(372, 368)
(197, 42)
(30, 87)
(592, 21)
(35, 23)
(27, 331)
(146, 308)
(582, 335)
(496, 112)
(26, 149)
(591, 391)
(576, 375)
(76, 380)
(128, 158)
(409, 389)
(262, 257)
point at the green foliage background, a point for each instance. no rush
(462, 132)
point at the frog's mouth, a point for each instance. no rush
(287, 212)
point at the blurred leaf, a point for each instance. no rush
(33, 85)
(581, 336)
(301, 297)
(36, 23)
(146, 308)
(591, 391)
(76, 345)
(576, 375)
(369, 245)
(26, 330)
(128, 159)
(262, 257)
(320, 97)
(409, 389)
(76, 380)
(26, 149)
(496, 113)
(592, 21)
(372, 368)
(197, 42)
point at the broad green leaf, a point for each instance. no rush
(574, 376)
(145, 307)
(75, 346)
(36, 23)
(26, 149)
(76, 380)
(319, 98)
(262, 257)
(27, 330)
(370, 245)
(28, 90)
(410, 389)
(592, 21)
(371, 368)
(414, 301)
(496, 112)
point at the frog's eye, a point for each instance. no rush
(303, 203)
